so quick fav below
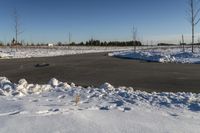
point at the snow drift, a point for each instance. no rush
(112, 96)
(163, 55)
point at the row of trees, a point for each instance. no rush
(193, 17)
(100, 43)
(18, 32)
(111, 43)
(87, 43)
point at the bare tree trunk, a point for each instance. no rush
(192, 11)
(193, 17)
(192, 38)
(134, 37)
(69, 38)
(183, 43)
(16, 25)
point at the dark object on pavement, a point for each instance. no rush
(42, 65)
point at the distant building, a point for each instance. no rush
(50, 44)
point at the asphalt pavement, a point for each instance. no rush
(95, 69)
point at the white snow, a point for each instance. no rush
(51, 108)
(151, 54)
(163, 55)
(28, 52)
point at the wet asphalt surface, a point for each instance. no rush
(95, 69)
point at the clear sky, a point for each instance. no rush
(52, 20)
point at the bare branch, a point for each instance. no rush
(196, 14)
(197, 21)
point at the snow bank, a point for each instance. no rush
(117, 97)
(59, 107)
(163, 55)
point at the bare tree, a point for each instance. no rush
(17, 25)
(193, 12)
(183, 43)
(134, 32)
(70, 35)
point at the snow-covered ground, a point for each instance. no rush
(27, 52)
(52, 108)
(60, 107)
(163, 55)
(151, 53)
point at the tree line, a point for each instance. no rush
(87, 43)
(101, 43)
(110, 43)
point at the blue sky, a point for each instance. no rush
(52, 20)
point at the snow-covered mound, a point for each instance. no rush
(5, 55)
(165, 55)
(111, 97)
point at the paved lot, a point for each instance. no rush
(95, 69)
